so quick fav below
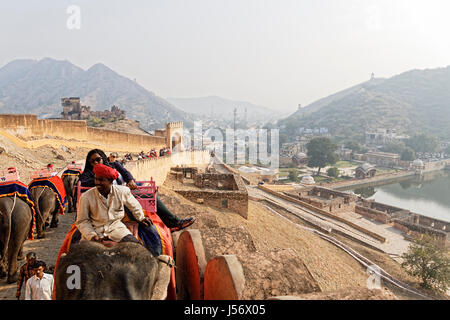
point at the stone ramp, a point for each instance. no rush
(395, 243)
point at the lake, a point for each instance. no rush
(428, 195)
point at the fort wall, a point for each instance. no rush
(158, 168)
(27, 125)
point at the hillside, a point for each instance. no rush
(417, 100)
(29, 86)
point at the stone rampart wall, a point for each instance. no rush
(372, 214)
(158, 168)
(27, 125)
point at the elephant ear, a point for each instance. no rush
(165, 264)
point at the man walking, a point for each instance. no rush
(25, 272)
(39, 286)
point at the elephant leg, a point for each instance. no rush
(21, 220)
(40, 233)
(74, 205)
(73, 202)
(2, 255)
(55, 218)
(5, 232)
(2, 261)
(69, 203)
(15, 245)
(20, 255)
(13, 252)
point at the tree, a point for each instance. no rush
(423, 142)
(447, 150)
(354, 146)
(394, 147)
(408, 154)
(430, 262)
(321, 152)
(333, 172)
(293, 175)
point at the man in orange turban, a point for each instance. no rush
(101, 209)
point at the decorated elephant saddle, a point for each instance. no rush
(72, 170)
(54, 183)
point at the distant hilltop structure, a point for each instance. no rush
(73, 110)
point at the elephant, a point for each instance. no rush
(47, 207)
(15, 222)
(126, 271)
(70, 182)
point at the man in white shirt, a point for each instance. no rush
(39, 286)
(101, 209)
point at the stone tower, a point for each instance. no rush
(71, 108)
(174, 135)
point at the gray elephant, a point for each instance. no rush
(127, 271)
(70, 182)
(47, 208)
(15, 222)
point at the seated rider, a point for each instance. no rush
(101, 209)
(96, 156)
(50, 168)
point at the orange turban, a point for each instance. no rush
(103, 171)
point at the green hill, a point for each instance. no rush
(411, 102)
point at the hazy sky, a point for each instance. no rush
(276, 53)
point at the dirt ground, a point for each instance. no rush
(27, 160)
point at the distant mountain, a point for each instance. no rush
(30, 86)
(222, 108)
(414, 101)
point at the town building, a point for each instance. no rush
(385, 159)
(365, 171)
(381, 136)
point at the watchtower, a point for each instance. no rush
(174, 135)
(71, 108)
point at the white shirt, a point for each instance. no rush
(39, 289)
(102, 216)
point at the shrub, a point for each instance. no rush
(293, 175)
(333, 172)
(429, 262)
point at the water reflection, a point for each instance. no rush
(428, 194)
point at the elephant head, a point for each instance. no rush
(127, 271)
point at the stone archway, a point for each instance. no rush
(176, 142)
